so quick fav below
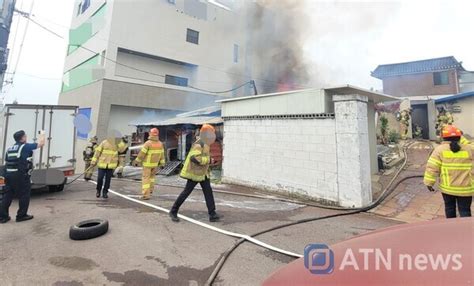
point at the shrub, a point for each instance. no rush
(383, 128)
(393, 136)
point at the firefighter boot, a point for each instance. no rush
(174, 216)
(214, 217)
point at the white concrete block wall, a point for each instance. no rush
(294, 155)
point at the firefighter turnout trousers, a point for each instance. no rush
(148, 181)
(152, 157)
(88, 171)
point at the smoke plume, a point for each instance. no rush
(277, 31)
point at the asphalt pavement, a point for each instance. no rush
(144, 247)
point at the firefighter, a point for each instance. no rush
(18, 165)
(152, 157)
(444, 118)
(452, 163)
(404, 118)
(87, 154)
(106, 159)
(196, 170)
(122, 155)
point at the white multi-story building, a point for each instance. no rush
(133, 61)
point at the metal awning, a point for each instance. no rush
(195, 120)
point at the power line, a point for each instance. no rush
(201, 66)
(45, 28)
(22, 42)
(130, 67)
(38, 77)
(224, 91)
(272, 83)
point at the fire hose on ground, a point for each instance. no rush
(251, 238)
(387, 191)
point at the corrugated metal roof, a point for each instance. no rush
(194, 120)
(455, 97)
(200, 112)
(429, 65)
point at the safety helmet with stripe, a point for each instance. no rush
(450, 131)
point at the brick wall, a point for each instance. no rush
(418, 84)
(293, 155)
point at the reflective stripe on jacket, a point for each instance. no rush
(464, 141)
(152, 153)
(455, 172)
(122, 148)
(196, 166)
(13, 162)
(106, 155)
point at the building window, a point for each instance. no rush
(86, 5)
(236, 53)
(176, 80)
(192, 36)
(81, 34)
(441, 78)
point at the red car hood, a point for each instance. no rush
(441, 253)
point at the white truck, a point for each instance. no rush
(56, 160)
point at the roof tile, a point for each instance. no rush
(429, 65)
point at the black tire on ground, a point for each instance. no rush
(58, 188)
(88, 229)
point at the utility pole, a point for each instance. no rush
(7, 7)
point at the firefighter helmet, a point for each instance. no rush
(451, 131)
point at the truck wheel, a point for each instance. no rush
(88, 229)
(55, 189)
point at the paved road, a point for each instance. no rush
(143, 247)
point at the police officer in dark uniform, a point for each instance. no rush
(17, 176)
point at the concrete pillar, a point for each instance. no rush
(374, 168)
(432, 116)
(353, 151)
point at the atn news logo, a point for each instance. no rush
(319, 259)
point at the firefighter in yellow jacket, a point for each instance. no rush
(106, 159)
(152, 156)
(122, 155)
(452, 163)
(196, 170)
(88, 153)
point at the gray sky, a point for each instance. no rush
(345, 42)
(39, 72)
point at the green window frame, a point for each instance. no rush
(82, 74)
(81, 34)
